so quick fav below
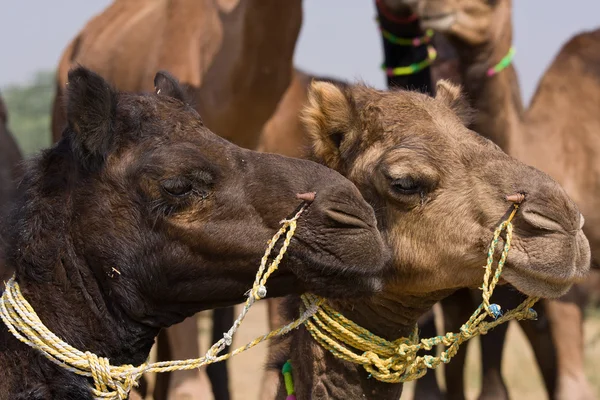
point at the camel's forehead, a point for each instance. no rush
(153, 115)
(418, 122)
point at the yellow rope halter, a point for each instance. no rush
(115, 382)
(398, 361)
(386, 361)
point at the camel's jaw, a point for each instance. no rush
(548, 266)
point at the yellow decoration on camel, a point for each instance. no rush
(398, 361)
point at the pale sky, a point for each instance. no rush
(339, 37)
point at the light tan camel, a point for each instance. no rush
(438, 190)
(558, 134)
(235, 56)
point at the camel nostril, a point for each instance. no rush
(346, 219)
(516, 198)
(542, 221)
(308, 197)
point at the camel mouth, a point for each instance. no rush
(333, 278)
(548, 274)
(439, 22)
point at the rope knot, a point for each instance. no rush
(228, 338)
(261, 292)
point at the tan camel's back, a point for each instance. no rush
(236, 55)
(563, 126)
(126, 42)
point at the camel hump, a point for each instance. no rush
(582, 50)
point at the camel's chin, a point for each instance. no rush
(535, 286)
(549, 266)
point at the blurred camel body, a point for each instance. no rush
(558, 134)
(234, 57)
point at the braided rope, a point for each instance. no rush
(398, 361)
(115, 382)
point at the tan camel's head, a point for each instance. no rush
(473, 21)
(439, 190)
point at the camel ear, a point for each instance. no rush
(166, 84)
(451, 95)
(91, 113)
(330, 120)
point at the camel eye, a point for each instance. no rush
(406, 186)
(177, 187)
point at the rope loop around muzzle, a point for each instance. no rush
(398, 360)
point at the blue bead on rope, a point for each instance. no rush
(533, 314)
(496, 310)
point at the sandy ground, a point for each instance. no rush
(522, 375)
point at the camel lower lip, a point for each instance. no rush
(532, 284)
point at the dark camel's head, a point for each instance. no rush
(473, 21)
(439, 190)
(172, 219)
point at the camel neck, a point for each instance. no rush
(73, 306)
(496, 98)
(254, 59)
(319, 374)
(402, 55)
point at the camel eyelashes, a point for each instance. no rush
(406, 186)
(177, 187)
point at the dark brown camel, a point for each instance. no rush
(438, 190)
(235, 55)
(139, 185)
(10, 172)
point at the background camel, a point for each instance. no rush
(426, 174)
(10, 171)
(556, 134)
(237, 69)
(173, 214)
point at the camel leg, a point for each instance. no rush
(134, 395)
(271, 377)
(163, 353)
(427, 387)
(492, 348)
(217, 373)
(564, 375)
(457, 309)
(183, 344)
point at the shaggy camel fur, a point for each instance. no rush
(438, 190)
(139, 185)
(558, 134)
(10, 172)
(236, 58)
